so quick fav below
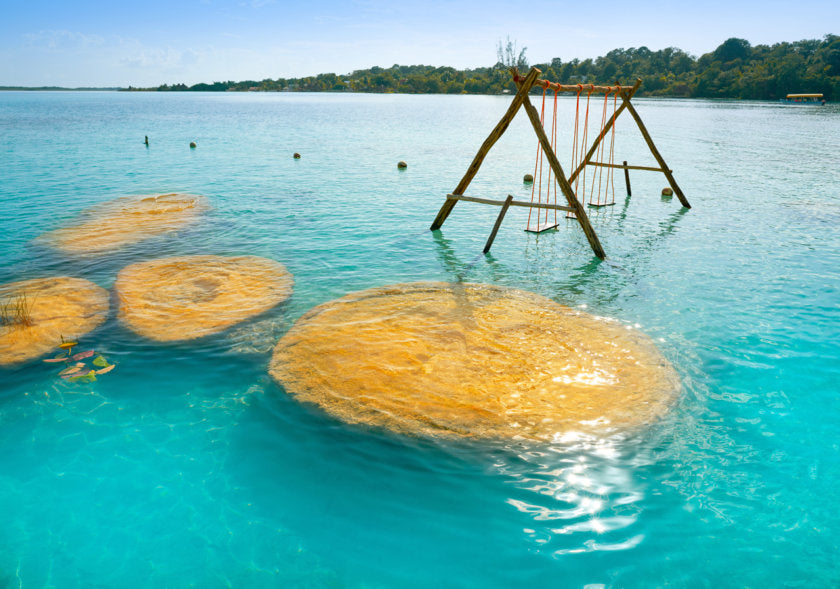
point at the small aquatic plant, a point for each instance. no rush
(16, 311)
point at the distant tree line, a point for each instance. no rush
(734, 70)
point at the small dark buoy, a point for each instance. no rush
(667, 191)
(296, 156)
(401, 164)
(146, 141)
(192, 144)
(528, 179)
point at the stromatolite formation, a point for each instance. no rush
(472, 360)
(187, 297)
(38, 313)
(127, 220)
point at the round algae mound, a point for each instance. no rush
(187, 297)
(472, 360)
(37, 313)
(124, 221)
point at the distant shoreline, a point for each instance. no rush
(734, 71)
(55, 89)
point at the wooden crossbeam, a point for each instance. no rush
(625, 167)
(587, 88)
(513, 203)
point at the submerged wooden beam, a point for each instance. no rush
(498, 223)
(501, 127)
(560, 178)
(513, 203)
(660, 160)
(625, 167)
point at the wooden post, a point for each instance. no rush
(627, 178)
(497, 132)
(654, 151)
(560, 177)
(498, 223)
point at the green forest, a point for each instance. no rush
(734, 70)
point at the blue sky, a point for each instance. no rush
(128, 42)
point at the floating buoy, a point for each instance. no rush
(192, 145)
(402, 165)
(528, 179)
(667, 191)
(296, 156)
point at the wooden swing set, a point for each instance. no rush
(575, 184)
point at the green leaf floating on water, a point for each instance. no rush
(87, 377)
(100, 361)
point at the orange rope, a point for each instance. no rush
(612, 150)
(569, 214)
(580, 137)
(537, 165)
(582, 154)
(554, 149)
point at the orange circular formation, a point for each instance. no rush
(37, 314)
(188, 297)
(124, 221)
(470, 360)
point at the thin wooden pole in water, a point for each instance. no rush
(497, 132)
(627, 178)
(498, 223)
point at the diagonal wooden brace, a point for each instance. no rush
(659, 159)
(497, 132)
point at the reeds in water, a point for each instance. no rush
(16, 311)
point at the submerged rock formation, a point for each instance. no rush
(124, 221)
(37, 314)
(187, 297)
(471, 360)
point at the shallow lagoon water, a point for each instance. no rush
(188, 466)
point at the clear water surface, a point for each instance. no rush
(187, 466)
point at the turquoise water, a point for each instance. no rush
(187, 466)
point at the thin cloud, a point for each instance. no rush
(59, 39)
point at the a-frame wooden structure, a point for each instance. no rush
(524, 85)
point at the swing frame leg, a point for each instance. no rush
(498, 224)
